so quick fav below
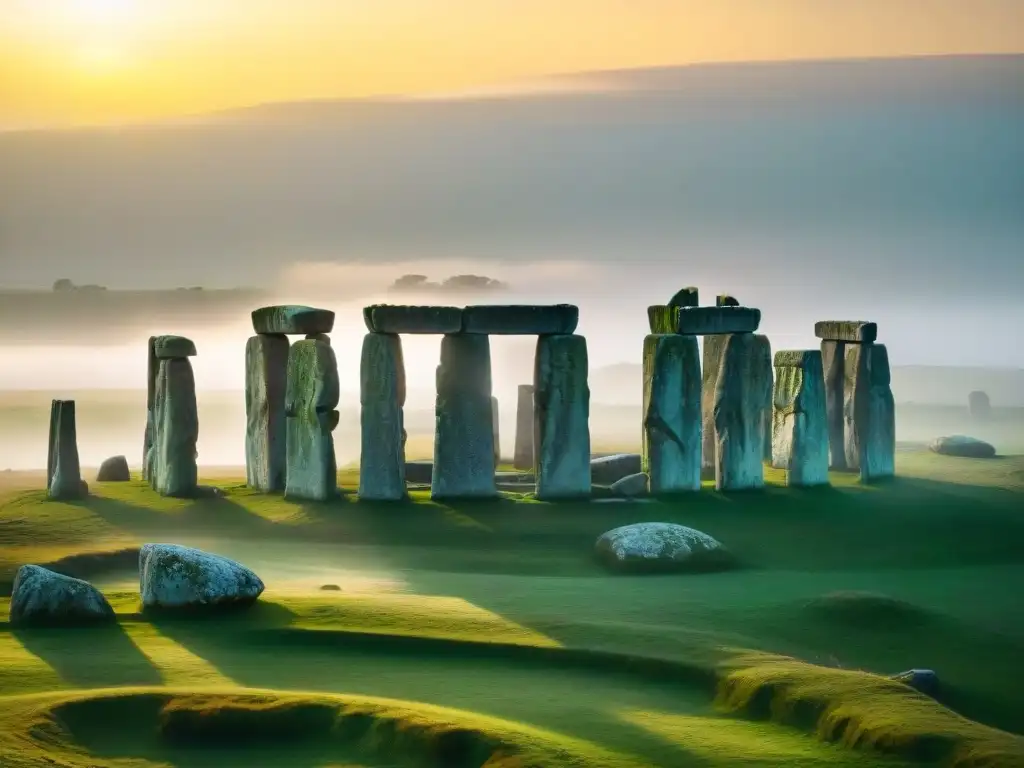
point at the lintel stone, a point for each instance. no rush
(520, 319)
(292, 319)
(856, 331)
(407, 318)
(703, 321)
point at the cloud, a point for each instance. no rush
(453, 284)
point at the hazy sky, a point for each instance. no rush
(67, 61)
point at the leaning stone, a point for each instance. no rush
(175, 577)
(562, 417)
(64, 475)
(685, 297)
(176, 430)
(725, 300)
(311, 396)
(114, 470)
(382, 465)
(856, 331)
(712, 363)
(496, 429)
(870, 412)
(833, 358)
(630, 486)
(961, 445)
(642, 547)
(703, 321)
(520, 320)
(762, 371)
(671, 415)
(979, 405)
(391, 318)
(738, 409)
(266, 379)
(464, 433)
(800, 421)
(292, 319)
(41, 597)
(605, 470)
(523, 458)
(172, 347)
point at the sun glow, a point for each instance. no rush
(104, 12)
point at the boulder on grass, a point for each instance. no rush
(606, 470)
(630, 486)
(114, 470)
(654, 547)
(41, 597)
(961, 445)
(176, 577)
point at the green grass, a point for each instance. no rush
(476, 632)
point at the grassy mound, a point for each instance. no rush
(867, 610)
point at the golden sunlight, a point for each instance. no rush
(104, 11)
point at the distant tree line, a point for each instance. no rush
(456, 283)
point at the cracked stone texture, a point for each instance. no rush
(855, 331)
(671, 453)
(464, 433)
(63, 472)
(833, 363)
(382, 471)
(523, 457)
(869, 412)
(562, 418)
(800, 420)
(173, 576)
(737, 415)
(294, 319)
(311, 396)
(41, 597)
(176, 430)
(520, 319)
(408, 318)
(266, 378)
(642, 545)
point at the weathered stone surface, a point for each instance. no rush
(833, 363)
(521, 319)
(152, 367)
(712, 363)
(319, 337)
(738, 409)
(979, 405)
(64, 474)
(464, 433)
(800, 421)
(266, 379)
(402, 318)
(685, 297)
(671, 446)
(703, 321)
(114, 470)
(172, 347)
(496, 429)
(763, 378)
(382, 468)
(961, 445)
(725, 300)
(420, 472)
(630, 486)
(292, 319)
(173, 576)
(41, 597)
(856, 331)
(605, 470)
(523, 458)
(659, 546)
(561, 435)
(869, 411)
(311, 397)
(176, 430)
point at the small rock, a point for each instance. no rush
(606, 470)
(114, 470)
(659, 547)
(330, 588)
(42, 597)
(922, 680)
(961, 445)
(630, 486)
(173, 576)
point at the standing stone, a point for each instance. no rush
(671, 454)
(979, 405)
(266, 378)
(763, 378)
(311, 397)
(800, 419)
(63, 473)
(870, 412)
(464, 433)
(523, 458)
(173, 471)
(152, 367)
(712, 362)
(833, 356)
(496, 428)
(737, 413)
(685, 297)
(382, 419)
(725, 300)
(561, 436)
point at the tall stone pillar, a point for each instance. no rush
(311, 398)
(496, 430)
(63, 472)
(712, 362)
(266, 379)
(464, 434)
(833, 356)
(671, 451)
(763, 376)
(870, 412)
(561, 437)
(800, 419)
(382, 399)
(523, 458)
(152, 368)
(737, 416)
(173, 470)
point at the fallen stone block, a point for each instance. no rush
(382, 467)
(41, 598)
(800, 421)
(703, 321)
(403, 318)
(963, 446)
(646, 547)
(173, 347)
(292, 319)
(672, 413)
(562, 417)
(176, 577)
(605, 470)
(520, 320)
(630, 486)
(856, 331)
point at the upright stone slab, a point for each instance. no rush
(496, 429)
(737, 415)
(870, 412)
(464, 433)
(712, 362)
(671, 452)
(685, 297)
(311, 397)
(63, 473)
(833, 356)
(523, 458)
(382, 419)
(561, 437)
(762, 372)
(266, 378)
(173, 471)
(800, 419)
(152, 368)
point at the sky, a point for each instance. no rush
(65, 62)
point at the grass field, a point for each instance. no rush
(483, 634)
